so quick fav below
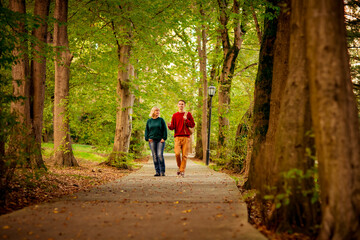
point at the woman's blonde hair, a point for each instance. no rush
(153, 110)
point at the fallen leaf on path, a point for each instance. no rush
(186, 211)
(6, 227)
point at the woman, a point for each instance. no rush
(156, 134)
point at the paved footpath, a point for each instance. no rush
(203, 205)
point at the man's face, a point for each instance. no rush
(181, 106)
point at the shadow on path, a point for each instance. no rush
(203, 205)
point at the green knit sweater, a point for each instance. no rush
(155, 129)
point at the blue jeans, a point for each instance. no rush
(157, 150)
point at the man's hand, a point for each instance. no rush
(150, 140)
(162, 140)
(169, 125)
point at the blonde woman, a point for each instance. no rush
(156, 134)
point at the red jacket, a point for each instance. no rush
(180, 125)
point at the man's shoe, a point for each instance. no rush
(157, 175)
(163, 174)
(178, 172)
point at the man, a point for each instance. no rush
(181, 122)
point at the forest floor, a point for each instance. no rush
(30, 187)
(40, 186)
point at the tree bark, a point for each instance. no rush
(264, 165)
(19, 140)
(287, 147)
(202, 123)
(262, 96)
(204, 115)
(335, 119)
(125, 105)
(38, 76)
(62, 144)
(258, 31)
(199, 143)
(228, 68)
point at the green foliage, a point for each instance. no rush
(86, 152)
(295, 177)
(121, 160)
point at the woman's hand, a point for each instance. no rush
(150, 140)
(162, 140)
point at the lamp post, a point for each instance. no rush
(211, 92)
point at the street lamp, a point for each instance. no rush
(211, 92)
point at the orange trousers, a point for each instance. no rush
(181, 146)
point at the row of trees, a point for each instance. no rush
(306, 124)
(92, 72)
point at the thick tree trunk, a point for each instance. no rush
(125, 105)
(199, 145)
(38, 76)
(62, 145)
(335, 120)
(136, 142)
(261, 97)
(289, 144)
(202, 122)
(19, 140)
(228, 68)
(204, 116)
(264, 164)
(17, 150)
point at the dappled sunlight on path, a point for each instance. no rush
(203, 205)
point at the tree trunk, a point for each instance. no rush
(125, 105)
(258, 31)
(38, 76)
(202, 123)
(199, 143)
(262, 96)
(264, 164)
(335, 120)
(204, 117)
(288, 138)
(136, 142)
(62, 144)
(228, 68)
(19, 140)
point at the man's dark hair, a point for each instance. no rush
(182, 101)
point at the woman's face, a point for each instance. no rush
(156, 113)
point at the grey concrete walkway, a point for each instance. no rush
(203, 205)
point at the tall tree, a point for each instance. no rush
(38, 76)
(62, 145)
(19, 142)
(125, 96)
(288, 165)
(261, 109)
(230, 53)
(201, 143)
(335, 119)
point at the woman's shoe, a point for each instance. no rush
(157, 175)
(163, 174)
